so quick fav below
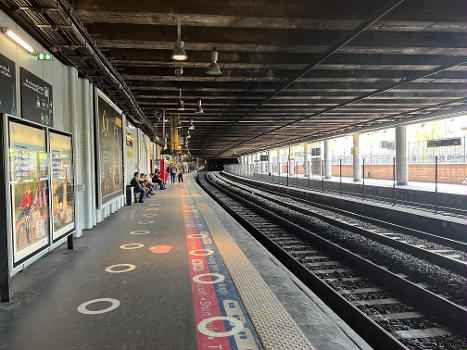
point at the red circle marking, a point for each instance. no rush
(160, 249)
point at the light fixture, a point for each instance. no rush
(192, 126)
(178, 71)
(181, 105)
(13, 36)
(213, 68)
(199, 109)
(178, 53)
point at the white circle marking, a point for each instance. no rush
(140, 232)
(205, 252)
(111, 268)
(84, 310)
(220, 278)
(132, 246)
(237, 326)
(198, 235)
(145, 222)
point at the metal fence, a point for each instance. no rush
(371, 181)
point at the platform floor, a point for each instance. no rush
(180, 290)
(460, 188)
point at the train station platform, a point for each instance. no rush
(176, 272)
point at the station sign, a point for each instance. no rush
(7, 86)
(264, 158)
(316, 152)
(36, 98)
(456, 141)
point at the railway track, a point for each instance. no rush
(305, 184)
(447, 253)
(387, 309)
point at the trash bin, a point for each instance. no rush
(129, 195)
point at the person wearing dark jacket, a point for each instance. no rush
(137, 187)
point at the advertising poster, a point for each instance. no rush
(7, 86)
(29, 189)
(63, 194)
(36, 98)
(110, 150)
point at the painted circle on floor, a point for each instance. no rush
(127, 267)
(154, 205)
(153, 209)
(145, 222)
(140, 232)
(83, 308)
(160, 249)
(194, 225)
(236, 328)
(150, 215)
(198, 235)
(201, 252)
(132, 246)
(219, 278)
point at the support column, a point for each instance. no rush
(269, 163)
(278, 156)
(306, 159)
(327, 160)
(289, 161)
(402, 162)
(357, 171)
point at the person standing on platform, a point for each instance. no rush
(137, 187)
(173, 172)
(180, 174)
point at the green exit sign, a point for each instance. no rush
(45, 57)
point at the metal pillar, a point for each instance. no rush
(269, 163)
(402, 162)
(290, 168)
(327, 160)
(306, 159)
(357, 173)
(4, 270)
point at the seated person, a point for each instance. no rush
(144, 183)
(148, 182)
(157, 180)
(135, 183)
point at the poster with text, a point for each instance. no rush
(7, 86)
(36, 98)
(29, 189)
(63, 194)
(110, 150)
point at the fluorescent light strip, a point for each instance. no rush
(12, 35)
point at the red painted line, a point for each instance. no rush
(205, 302)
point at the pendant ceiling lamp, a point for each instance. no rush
(199, 109)
(181, 105)
(179, 53)
(213, 68)
(192, 126)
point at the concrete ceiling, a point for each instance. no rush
(291, 69)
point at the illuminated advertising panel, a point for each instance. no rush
(62, 182)
(110, 140)
(29, 189)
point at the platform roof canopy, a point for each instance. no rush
(291, 69)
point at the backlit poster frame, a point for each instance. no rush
(101, 125)
(41, 196)
(68, 227)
